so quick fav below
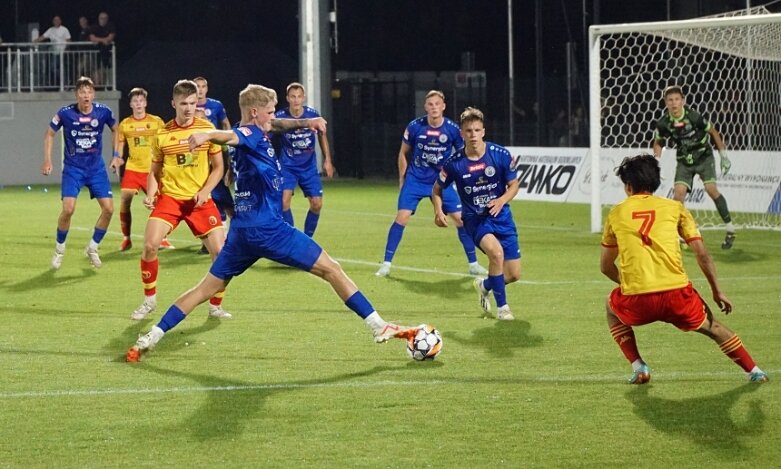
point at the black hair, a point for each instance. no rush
(641, 172)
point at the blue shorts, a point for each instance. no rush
(502, 229)
(222, 198)
(307, 178)
(412, 192)
(281, 243)
(96, 180)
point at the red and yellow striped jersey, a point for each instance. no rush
(184, 172)
(645, 228)
(138, 134)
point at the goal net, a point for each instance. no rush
(730, 70)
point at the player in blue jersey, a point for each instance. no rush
(427, 142)
(486, 181)
(258, 229)
(299, 160)
(214, 112)
(82, 165)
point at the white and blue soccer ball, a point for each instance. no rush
(425, 345)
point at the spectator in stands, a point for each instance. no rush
(103, 34)
(84, 68)
(58, 35)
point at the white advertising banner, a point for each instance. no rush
(554, 174)
(548, 173)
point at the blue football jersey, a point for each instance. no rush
(480, 181)
(258, 195)
(297, 147)
(431, 146)
(214, 112)
(83, 134)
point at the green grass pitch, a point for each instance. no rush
(294, 379)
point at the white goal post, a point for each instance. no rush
(730, 70)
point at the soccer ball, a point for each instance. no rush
(425, 345)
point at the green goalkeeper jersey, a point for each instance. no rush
(688, 134)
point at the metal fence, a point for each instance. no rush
(34, 66)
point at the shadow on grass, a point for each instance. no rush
(48, 279)
(451, 288)
(175, 339)
(707, 421)
(500, 338)
(230, 404)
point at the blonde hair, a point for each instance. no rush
(185, 88)
(294, 86)
(256, 96)
(471, 114)
(435, 93)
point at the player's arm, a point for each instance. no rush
(402, 162)
(328, 167)
(48, 141)
(607, 263)
(283, 125)
(226, 124)
(153, 183)
(116, 157)
(495, 206)
(215, 176)
(440, 219)
(725, 163)
(708, 267)
(220, 137)
(658, 143)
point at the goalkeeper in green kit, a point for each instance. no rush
(690, 133)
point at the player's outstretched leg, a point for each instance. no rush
(329, 270)
(731, 345)
(175, 314)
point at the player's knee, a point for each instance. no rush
(512, 276)
(150, 250)
(315, 205)
(107, 211)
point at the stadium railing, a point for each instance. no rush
(35, 66)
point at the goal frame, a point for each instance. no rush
(595, 82)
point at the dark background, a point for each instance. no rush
(235, 42)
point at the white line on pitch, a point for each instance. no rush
(194, 242)
(604, 378)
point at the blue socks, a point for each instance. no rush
(61, 235)
(394, 238)
(171, 318)
(310, 225)
(469, 245)
(359, 304)
(495, 283)
(288, 216)
(98, 235)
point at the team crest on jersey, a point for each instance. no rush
(73, 133)
(94, 123)
(490, 171)
(245, 131)
(468, 190)
(476, 167)
(212, 220)
(443, 138)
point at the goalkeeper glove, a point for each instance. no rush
(725, 162)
